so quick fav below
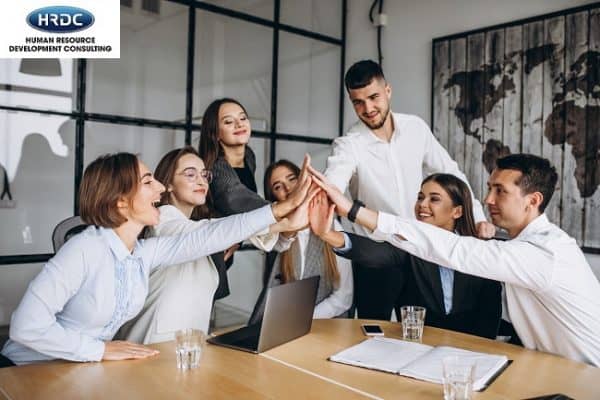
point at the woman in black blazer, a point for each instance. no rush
(224, 138)
(474, 304)
(224, 148)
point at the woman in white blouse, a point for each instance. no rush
(99, 279)
(309, 255)
(182, 296)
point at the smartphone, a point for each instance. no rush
(371, 330)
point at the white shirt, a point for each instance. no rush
(552, 295)
(94, 284)
(387, 176)
(180, 296)
(340, 299)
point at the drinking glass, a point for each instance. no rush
(458, 378)
(413, 319)
(188, 350)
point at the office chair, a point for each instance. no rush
(65, 229)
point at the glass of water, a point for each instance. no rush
(458, 378)
(413, 319)
(188, 350)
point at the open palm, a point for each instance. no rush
(321, 215)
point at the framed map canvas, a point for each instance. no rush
(530, 86)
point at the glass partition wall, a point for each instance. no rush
(282, 59)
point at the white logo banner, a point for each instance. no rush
(60, 29)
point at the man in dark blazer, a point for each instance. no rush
(476, 302)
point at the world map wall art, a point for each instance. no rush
(529, 86)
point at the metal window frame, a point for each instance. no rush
(81, 116)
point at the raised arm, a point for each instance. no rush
(207, 239)
(514, 261)
(220, 234)
(365, 251)
(353, 247)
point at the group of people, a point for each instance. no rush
(156, 253)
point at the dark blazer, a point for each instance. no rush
(229, 194)
(476, 302)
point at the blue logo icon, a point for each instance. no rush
(60, 19)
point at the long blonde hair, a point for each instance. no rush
(332, 274)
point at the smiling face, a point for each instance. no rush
(435, 206)
(188, 187)
(142, 208)
(234, 125)
(372, 103)
(283, 180)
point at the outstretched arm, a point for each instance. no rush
(361, 249)
(364, 217)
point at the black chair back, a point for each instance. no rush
(65, 229)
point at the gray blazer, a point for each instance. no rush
(229, 194)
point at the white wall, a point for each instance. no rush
(412, 25)
(406, 44)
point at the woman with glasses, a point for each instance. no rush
(99, 279)
(182, 296)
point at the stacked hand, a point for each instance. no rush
(293, 211)
(341, 202)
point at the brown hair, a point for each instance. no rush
(461, 196)
(285, 259)
(108, 179)
(537, 175)
(209, 147)
(165, 172)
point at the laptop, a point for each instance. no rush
(287, 315)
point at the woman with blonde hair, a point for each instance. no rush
(308, 255)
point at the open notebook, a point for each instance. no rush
(417, 360)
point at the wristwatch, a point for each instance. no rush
(356, 205)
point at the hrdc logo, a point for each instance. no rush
(60, 19)
(60, 29)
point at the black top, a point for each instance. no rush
(230, 195)
(246, 177)
(233, 191)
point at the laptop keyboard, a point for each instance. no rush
(246, 337)
(248, 343)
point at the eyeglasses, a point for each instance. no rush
(191, 174)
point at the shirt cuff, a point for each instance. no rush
(92, 349)
(347, 245)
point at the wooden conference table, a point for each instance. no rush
(296, 370)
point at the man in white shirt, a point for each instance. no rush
(386, 156)
(553, 297)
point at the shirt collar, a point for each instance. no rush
(534, 226)
(372, 139)
(116, 244)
